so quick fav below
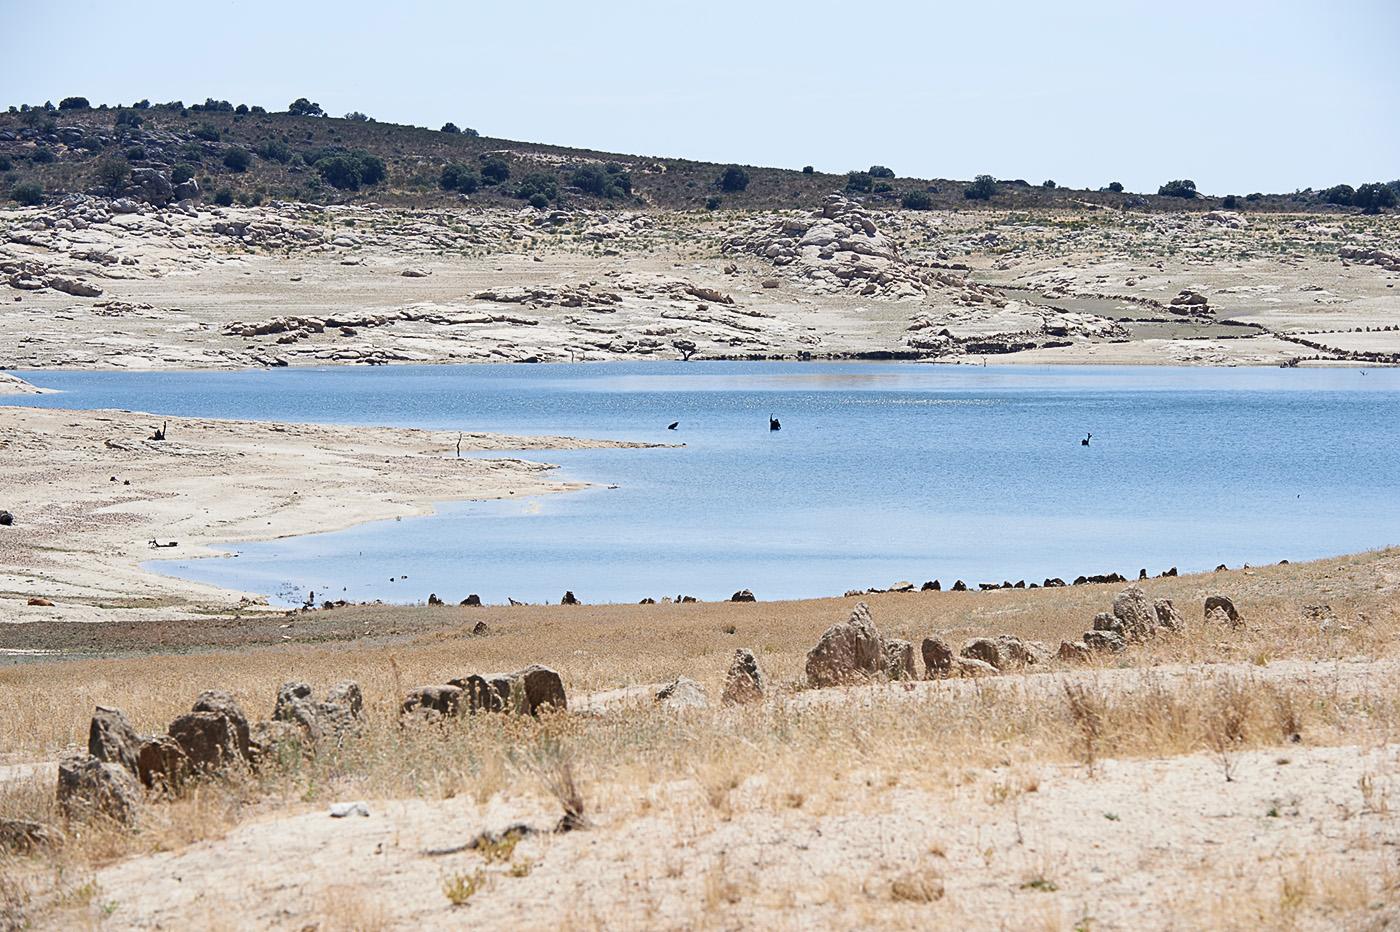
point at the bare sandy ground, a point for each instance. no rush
(90, 491)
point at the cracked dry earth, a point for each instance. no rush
(294, 284)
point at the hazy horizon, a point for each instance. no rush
(1242, 97)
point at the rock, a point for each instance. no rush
(743, 595)
(40, 602)
(1073, 651)
(111, 738)
(744, 682)
(1226, 607)
(985, 650)
(682, 693)
(295, 705)
(1136, 612)
(1014, 652)
(152, 185)
(938, 658)
(899, 660)
(932, 585)
(1107, 621)
(480, 629)
(161, 763)
(73, 286)
(90, 787)
(209, 739)
(482, 693)
(124, 205)
(708, 294)
(959, 586)
(1167, 615)
(770, 283)
(1104, 640)
(187, 190)
(222, 703)
(970, 666)
(416, 273)
(278, 741)
(902, 586)
(433, 599)
(536, 688)
(341, 810)
(570, 599)
(472, 601)
(847, 652)
(22, 836)
(6, 519)
(431, 702)
(1054, 582)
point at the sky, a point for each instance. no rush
(1236, 95)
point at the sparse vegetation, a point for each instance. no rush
(859, 182)
(27, 194)
(916, 200)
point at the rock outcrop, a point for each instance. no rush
(848, 652)
(744, 682)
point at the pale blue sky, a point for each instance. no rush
(1239, 96)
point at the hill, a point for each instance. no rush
(249, 157)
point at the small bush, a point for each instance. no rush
(916, 200)
(1339, 194)
(608, 181)
(495, 170)
(880, 171)
(348, 171)
(206, 132)
(42, 156)
(274, 150)
(128, 118)
(539, 201)
(223, 197)
(983, 187)
(241, 110)
(182, 172)
(1048, 185)
(237, 160)
(1256, 196)
(733, 179)
(141, 104)
(450, 128)
(1230, 202)
(1184, 188)
(808, 170)
(27, 193)
(458, 177)
(74, 103)
(112, 173)
(1374, 197)
(6, 163)
(355, 116)
(303, 107)
(1116, 187)
(713, 202)
(538, 185)
(859, 182)
(135, 154)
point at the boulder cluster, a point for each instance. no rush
(1377, 257)
(121, 766)
(1134, 618)
(530, 691)
(836, 247)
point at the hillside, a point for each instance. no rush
(256, 156)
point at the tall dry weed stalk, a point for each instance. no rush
(1087, 709)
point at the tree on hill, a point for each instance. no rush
(1116, 187)
(1340, 194)
(303, 107)
(916, 200)
(450, 128)
(458, 177)
(610, 181)
(495, 170)
(356, 116)
(981, 189)
(733, 178)
(112, 173)
(859, 182)
(1374, 197)
(1183, 187)
(880, 171)
(350, 170)
(74, 103)
(237, 159)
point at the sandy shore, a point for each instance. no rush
(89, 491)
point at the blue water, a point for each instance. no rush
(881, 472)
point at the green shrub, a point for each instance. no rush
(192, 151)
(916, 200)
(1256, 196)
(27, 193)
(255, 109)
(859, 181)
(539, 201)
(1116, 187)
(136, 154)
(237, 159)
(1230, 202)
(303, 107)
(880, 171)
(450, 128)
(610, 181)
(112, 173)
(348, 171)
(241, 110)
(128, 118)
(1374, 197)
(274, 150)
(713, 201)
(355, 116)
(983, 187)
(1185, 188)
(74, 103)
(808, 170)
(495, 170)
(6, 163)
(42, 156)
(458, 177)
(206, 132)
(181, 173)
(733, 178)
(223, 197)
(538, 185)
(142, 104)
(1048, 185)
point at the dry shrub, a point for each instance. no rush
(1087, 710)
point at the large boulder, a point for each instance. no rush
(1135, 611)
(111, 738)
(278, 741)
(90, 787)
(1222, 607)
(162, 763)
(1104, 640)
(431, 703)
(847, 652)
(985, 650)
(682, 693)
(524, 692)
(1167, 615)
(210, 740)
(899, 660)
(744, 682)
(337, 716)
(1015, 652)
(938, 658)
(296, 705)
(743, 595)
(152, 186)
(220, 702)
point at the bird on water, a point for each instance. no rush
(1085, 441)
(773, 423)
(673, 425)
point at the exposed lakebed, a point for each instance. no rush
(881, 472)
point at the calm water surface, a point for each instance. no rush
(881, 472)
